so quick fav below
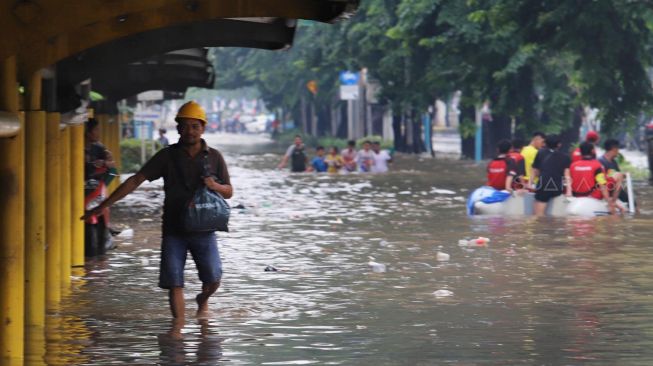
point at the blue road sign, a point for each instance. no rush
(348, 78)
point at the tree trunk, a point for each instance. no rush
(570, 135)
(396, 127)
(468, 143)
(493, 132)
(302, 114)
(418, 141)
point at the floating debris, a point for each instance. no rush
(126, 234)
(443, 293)
(442, 256)
(375, 266)
(478, 242)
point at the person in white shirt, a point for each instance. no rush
(365, 158)
(349, 157)
(381, 158)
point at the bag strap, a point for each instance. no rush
(205, 168)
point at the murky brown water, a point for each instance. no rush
(544, 292)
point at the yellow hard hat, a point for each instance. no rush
(191, 110)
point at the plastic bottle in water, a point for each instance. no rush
(481, 241)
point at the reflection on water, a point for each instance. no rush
(544, 291)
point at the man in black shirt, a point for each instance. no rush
(181, 167)
(552, 168)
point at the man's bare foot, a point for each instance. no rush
(175, 331)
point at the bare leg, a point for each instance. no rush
(176, 299)
(539, 208)
(202, 299)
(619, 181)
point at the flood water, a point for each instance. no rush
(543, 292)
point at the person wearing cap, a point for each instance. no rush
(181, 167)
(588, 177)
(592, 137)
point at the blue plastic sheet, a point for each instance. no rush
(485, 194)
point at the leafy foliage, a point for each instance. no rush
(535, 61)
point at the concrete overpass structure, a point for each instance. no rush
(51, 51)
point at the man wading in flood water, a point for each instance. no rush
(181, 166)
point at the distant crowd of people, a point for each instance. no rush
(542, 168)
(369, 159)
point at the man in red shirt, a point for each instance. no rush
(592, 137)
(519, 181)
(501, 170)
(588, 177)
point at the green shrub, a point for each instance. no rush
(635, 172)
(130, 153)
(327, 142)
(385, 144)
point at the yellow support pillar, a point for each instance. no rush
(35, 207)
(35, 234)
(35, 218)
(12, 225)
(65, 207)
(53, 174)
(77, 194)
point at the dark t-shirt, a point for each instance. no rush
(552, 165)
(166, 164)
(93, 152)
(609, 165)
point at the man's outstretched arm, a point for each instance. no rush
(124, 189)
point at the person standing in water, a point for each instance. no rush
(529, 153)
(365, 158)
(295, 153)
(552, 168)
(318, 164)
(181, 167)
(333, 160)
(349, 157)
(381, 158)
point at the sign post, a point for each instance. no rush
(349, 91)
(478, 143)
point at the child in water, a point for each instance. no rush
(333, 160)
(318, 163)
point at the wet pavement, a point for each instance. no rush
(543, 291)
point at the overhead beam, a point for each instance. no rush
(150, 77)
(38, 52)
(210, 33)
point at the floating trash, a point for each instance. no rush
(442, 256)
(478, 242)
(443, 293)
(375, 266)
(336, 221)
(126, 234)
